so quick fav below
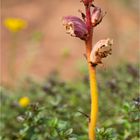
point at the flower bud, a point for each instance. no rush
(87, 2)
(97, 16)
(75, 27)
(101, 50)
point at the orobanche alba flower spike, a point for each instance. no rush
(83, 29)
(75, 27)
(101, 49)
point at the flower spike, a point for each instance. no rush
(94, 54)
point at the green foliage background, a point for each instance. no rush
(59, 110)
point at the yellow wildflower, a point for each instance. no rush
(15, 24)
(24, 101)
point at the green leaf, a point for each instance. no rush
(69, 131)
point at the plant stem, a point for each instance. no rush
(94, 95)
(94, 103)
(92, 78)
(12, 57)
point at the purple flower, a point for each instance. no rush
(97, 16)
(75, 27)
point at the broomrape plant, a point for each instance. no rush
(83, 29)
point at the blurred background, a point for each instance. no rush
(44, 85)
(41, 46)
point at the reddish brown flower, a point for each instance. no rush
(75, 27)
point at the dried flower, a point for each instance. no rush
(75, 27)
(97, 16)
(15, 24)
(24, 101)
(101, 50)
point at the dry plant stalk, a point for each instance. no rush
(83, 29)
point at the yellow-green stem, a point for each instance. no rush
(93, 92)
(94, 103)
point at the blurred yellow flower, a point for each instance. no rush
(15, 24)
(24, 101)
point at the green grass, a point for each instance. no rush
(56, 106)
